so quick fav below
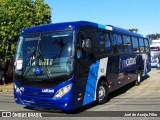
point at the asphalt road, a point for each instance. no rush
(129, 101)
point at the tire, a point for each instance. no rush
(139, 77)
(102, 92)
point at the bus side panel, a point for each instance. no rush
(149, 62)
(81, 75)
(87, 84)
(131, 67)
(127, 68)
(90, 89)
(96, 71)
(121, 71)
(146, 61)
(112, 73)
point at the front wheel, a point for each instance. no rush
(102, 92)
(138, 80)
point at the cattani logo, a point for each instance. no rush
(130, 61)
(47, 90)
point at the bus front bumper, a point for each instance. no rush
(39, 102)
(45, 100)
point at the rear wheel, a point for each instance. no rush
(102, 92)
(138, 80)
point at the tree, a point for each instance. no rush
(15, 15)
(154, 36)
(134, 30)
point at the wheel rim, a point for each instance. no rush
(101, 93)
(139, 78)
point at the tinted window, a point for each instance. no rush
(127, 44)
(141, 45)
(50, 53)
(135, 44)
(108, 42)
(104, 45)
(85, 44)
(117, 43)
(146, 42)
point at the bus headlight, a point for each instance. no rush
(17, 89)
(63, 91)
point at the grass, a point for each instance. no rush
(6, 87)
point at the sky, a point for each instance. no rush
(127, 14)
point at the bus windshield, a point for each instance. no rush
(44, 55)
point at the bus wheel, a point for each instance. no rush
(102, 92)
(138, 80)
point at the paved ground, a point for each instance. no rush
(131, 100)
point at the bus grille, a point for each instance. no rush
(39, 94)
(40, 103)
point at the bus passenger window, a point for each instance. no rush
(84, 47)
(135, 44)
(87, 44)
(141, 45)
(146, 42)
(101, 42)
(127, 44)
(104, 45)
(117, 44)
(86, 38)
(108, 43)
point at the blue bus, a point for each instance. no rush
(67, 65)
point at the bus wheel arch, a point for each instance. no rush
(102, 90)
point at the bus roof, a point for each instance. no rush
(77, 24)
(124, 31)
(58, 26)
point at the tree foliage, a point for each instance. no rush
(154, 36)
(134, 30)
(15, 15)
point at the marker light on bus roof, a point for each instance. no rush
(109, 28)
